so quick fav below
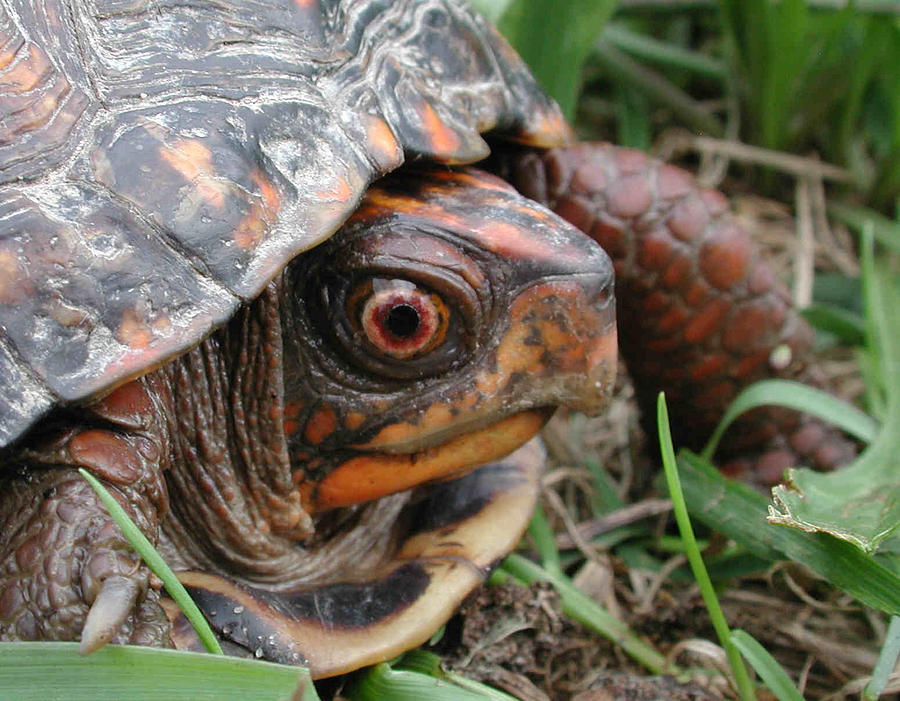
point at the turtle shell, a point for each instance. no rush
(161, 162)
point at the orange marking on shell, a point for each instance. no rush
(339, 191)
(252, 228)
(368, 477)
(192, 160)
(547, 128)
(12, 288)
(381, 142)
(250, 231)
(442, 139)
(134, 331)
(270, 197)
(25, 75)
(6, 55)
(321, 424)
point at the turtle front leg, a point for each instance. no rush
(700, 314)
(66, 570)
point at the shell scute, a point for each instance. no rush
(101, 292)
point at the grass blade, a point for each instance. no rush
(887, 660)
(766, 667)
(383, 682)
(51, 671)
(580, 607)
(797, 396)
(158, 566)
(679, 509)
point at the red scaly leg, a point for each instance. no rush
(700, 314)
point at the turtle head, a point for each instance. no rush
(437, 331)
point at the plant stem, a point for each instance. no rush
(580, 607)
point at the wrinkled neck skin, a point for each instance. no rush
(235, 507)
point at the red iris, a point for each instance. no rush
(401, 320)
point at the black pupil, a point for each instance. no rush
(402, 320)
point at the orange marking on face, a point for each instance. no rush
(443, 140)
(511, 241)
(321, 424)
(193, 161)
(290, 415)
(389, 202)
(368, 477)
(474, 178)
(134, 331)
(354, 419)
(437, 416)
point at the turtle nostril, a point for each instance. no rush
(403, 320)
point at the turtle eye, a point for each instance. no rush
(397, 318)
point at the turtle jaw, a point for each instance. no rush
(374, 475)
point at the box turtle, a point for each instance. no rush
(250, 280)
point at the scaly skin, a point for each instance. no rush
(700, 314)
(60, 552)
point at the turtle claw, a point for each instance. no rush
(114, 604)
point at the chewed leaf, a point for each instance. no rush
(737, 511)
(861, 503)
